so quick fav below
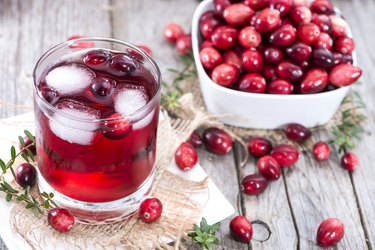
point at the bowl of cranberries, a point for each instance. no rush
(273, 62)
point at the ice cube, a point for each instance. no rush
(144, 121)
(70, 79)
(129, 100)
(72, 122)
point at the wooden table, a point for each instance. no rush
(294, 205)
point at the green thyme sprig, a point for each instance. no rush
(25, 196)
(351, 125)
(205, 235)
(173, 91)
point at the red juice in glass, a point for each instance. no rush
(96, 114)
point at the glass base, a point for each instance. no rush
(99, 212)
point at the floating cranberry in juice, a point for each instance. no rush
(96, 115)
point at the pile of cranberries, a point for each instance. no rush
(277, 46)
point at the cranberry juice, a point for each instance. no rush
(97, 116)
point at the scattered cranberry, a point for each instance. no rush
(28, 145)
(116, 126)
(308, 33)
(102, 87)
(283, 36)
(297, 132)
(253, 83)
(186, 156)
(280, 87)
(241, 229)
(232, 57)
(217, 141)
(26, 175)
(267, 20)
(300, 14)
(225, 74)
(145, 49)
(184, 44)
(315, 81)
(238, 14)
(344, 45)
(249, 37)
(344, 75)
(252, 61)
(339, 26)
(289, 71)
(350, 161)
(299, 51)
(322, 7)
(321, 151)
(224, 37)
(269, 167)
(60, 219)
(96, 59)
(283, 6)
(254, 184)
(273, 55)
(330, 232)
(286, 155)
(150, 210)
(195, 140)
(210, 58)
(172, 31)
(259, 146)
(80, 45)
(323, 58)
(324, 41)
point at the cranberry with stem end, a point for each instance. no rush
(283, 6)
(217, 141)
(232, 57)
(344, 45)
(315, 80)
(298, 51)
(324, 41)
(253, 83)
(172, 31)
(273, 55)
(241, 229)
(297, 132)
(150, 210)
(259, 146)
(289, 71)
(321, 151)
(286, 155)
(254, 184)
(300, 14)
(249, 37)
(224, 37)
(344, 75)
(322, 7)
(195, 140)
(186, 156)
(322, 58)
(330, 232)
(252, 61)
(184, 44)
(280, 87)
(26, 175)
(238, 14)
(283, 36)
(116, 126)
(208, 25)
(210, 58)
(269, 167)
(267, 20)
(225, 74)
(350, 161)
(308, 33)
(339, 26)
(60, 219)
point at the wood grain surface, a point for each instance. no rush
(294, 205)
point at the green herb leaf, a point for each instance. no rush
(13, 153)
(204, 234)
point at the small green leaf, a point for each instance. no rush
(22, 142)
(8, 197)
(30, 136)
(3, 166)
(30, 205)
(25, 157)
(13, 152)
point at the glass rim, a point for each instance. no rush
(135, 114)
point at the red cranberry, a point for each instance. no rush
(330, 232)
(299, 51)
(50, 95)
(339, 26)
(252, 61)
(283, 6)
(259, 146)
(280, 87)
(210, 58)
(324, 41)
(186, 156)
(145, 49)
(344, 45)
(207, 14)
(347, 59)
(241, 229)
(207, 44)
(323, 22)
(272, 55)
(300, 14)
(304, 65)
(337, 58)
(60, 219)
(257, 4)
(350, 161)
(102, 87)
(283, 36)
(322, 58)
(297, 132)
(217, 141)
(249, 37)
(254, 184)
(80, 45)
(267, 20)
(315, 81)
(253, 83)
(195, 140)
(286, 155)
(238, 14)
(96, 58)
(289, 71)
(28, 145)
(344, 75)
(269, 73)
(321, 151)
(308, 33)
(225, 74)
(116, 126)
(231, 57)
(297, 3)
(184, 44)
(208, 25)
(26, 175)
(172, 31)
(150, 210)
(322, 7)
(122, 65)
(269, 167)
(224, 37)
(220, 6)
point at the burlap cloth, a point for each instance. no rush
(180, 210)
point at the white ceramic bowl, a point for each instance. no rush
(262, 111)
